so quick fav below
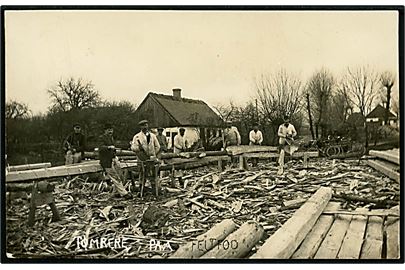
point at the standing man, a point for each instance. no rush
(255, 138)
(146, 146)
(232, 136)
(162, 140)
(109, 162)
(286, 133)
(74, 146)
(180, 143)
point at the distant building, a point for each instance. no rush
(377, 117)
(173, 111)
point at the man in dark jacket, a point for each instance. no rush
(109, 161)
(74, 145)
(162, 141)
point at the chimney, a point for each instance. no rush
(177, 93)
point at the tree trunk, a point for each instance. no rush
(388, 103)
(206, 241)
(238, 244)
(310, 117)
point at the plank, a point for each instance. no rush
(238, 244)
(206, 241)
(59, 171)
(243, 149)
(381, 213)
(393, 242)
(331, 244)
(28, 167)
(385, 168)
(373, 242)
(276, 155)
(311, 243)
(391, 156)
(353, 240)
(194, 163)
(283, 243)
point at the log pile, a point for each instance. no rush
(387, 162)
(250, 199)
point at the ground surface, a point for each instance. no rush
(89, 209)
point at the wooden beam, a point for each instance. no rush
(331, 244)
(381, 213)
(206, 241)
(373, 242)
(24, 167)
(353, 239)
(60, 171)
(238, 244)
(194, 163)
(385, 168)
(390, 156)
(315, 237)
(276, 155)
(393, 241)
(283, 243)
(242, 149)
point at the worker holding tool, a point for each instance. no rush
(180, 143)
(255, 138)
(232, 136)
(109, 161)
(74, 146)
(146, 146)
(286, 134)
(162, 140)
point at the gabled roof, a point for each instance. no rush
(379, 112)
(188, 112)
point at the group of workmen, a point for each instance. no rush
(148, 146)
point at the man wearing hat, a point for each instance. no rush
(74, 145)
(162, 140)
(109, 161)
(145, 143)
(146, 146)
(286, 134)
(180, 143)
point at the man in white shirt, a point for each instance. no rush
(255, 138)
(146, 146)
(286, 134)
(180, 143)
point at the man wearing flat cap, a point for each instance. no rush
(146, 146)
(74, 145)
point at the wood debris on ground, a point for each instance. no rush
(155, 228)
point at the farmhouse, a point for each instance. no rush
(377, 115)
(173, 111)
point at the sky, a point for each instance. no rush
(213, 56)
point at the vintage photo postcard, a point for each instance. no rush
(215, 134)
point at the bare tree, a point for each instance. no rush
(361, 84)
(311, 126)
(387, 80)
(320, 87)
(73, 94)
(15, 110)
(278, 94)
(226, 112)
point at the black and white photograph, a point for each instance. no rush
(202, 134)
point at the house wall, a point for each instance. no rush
(153, 112)
(192, 134)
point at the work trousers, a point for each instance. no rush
(71, 158)
(115, 175)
